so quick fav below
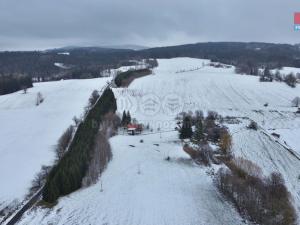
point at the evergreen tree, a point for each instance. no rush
(198, 135)
(128, 117)
(124, 119)
(266, 76)
(186, 129)
(267, 72)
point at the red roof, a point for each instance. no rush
(132, 126)
(297, 18)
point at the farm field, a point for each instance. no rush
(140, 187)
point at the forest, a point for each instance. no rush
(10, 84)
(240, 54)
(89, 62)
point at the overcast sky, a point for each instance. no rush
(40, 24)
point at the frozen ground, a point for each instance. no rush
(139, 187)
(28, 132)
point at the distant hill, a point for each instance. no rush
(132, 47)
(105, 48)
(87, 62)
(231, 52)
(90, 49)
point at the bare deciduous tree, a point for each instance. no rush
(102, 153)
(94, 97)
(225, 143)
(24, 88)
(39, 98)
(64, 142)
(260, 199)
(39, 180)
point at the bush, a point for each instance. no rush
(261, 200)
(214, 134)
(253, 125)
(202, 155)
(290, 80)
(211, 115)
(278, 76)
(225, 143)
(245, 165)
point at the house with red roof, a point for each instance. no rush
(133, 129)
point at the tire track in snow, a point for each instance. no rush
(239, 94)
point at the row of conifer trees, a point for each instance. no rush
(67, 175)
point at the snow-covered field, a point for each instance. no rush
(288, 70)
(140, 187)
(28, 132)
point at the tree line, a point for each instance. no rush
(262, 200)
(267, 76)
(67, 175)
(10, 84)
(123, 79)
(126, 118)
(88, 62)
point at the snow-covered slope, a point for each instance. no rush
(28, 132)
(156, 99)
(161, 96)
(140, 187)
(288, 70)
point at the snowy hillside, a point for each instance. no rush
(28, 132)
(157, 99)
(288, 70)
(140, 187)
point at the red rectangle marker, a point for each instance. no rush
(297, 18)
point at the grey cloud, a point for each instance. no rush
(31, 24)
